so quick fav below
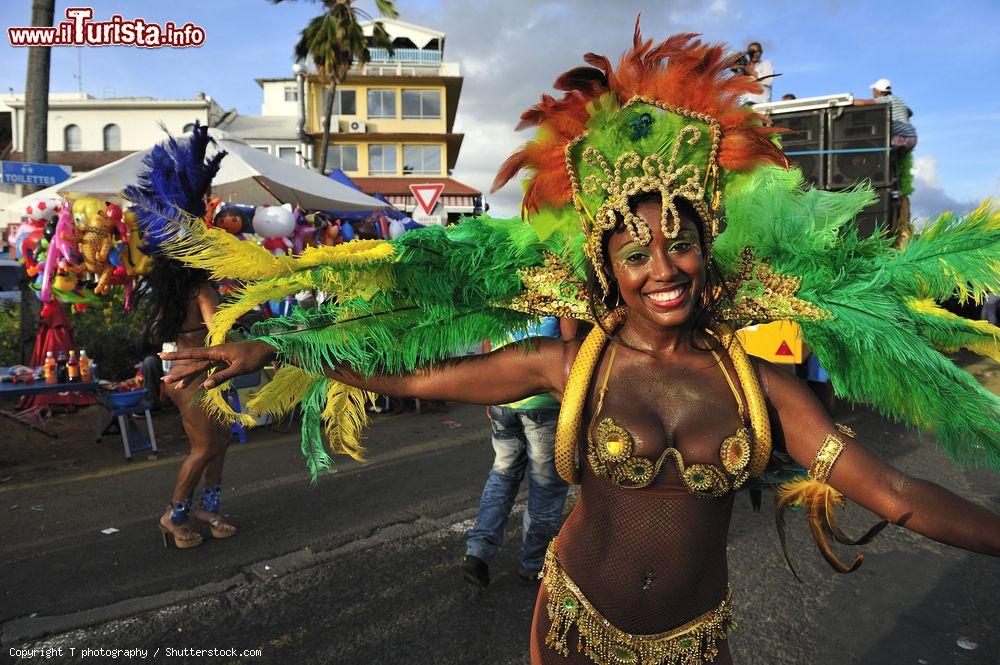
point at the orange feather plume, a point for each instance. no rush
(680, 71)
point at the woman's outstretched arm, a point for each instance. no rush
(918, 505)
(511, 373)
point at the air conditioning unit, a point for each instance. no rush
(357, 127)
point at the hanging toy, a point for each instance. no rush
(114, 214)
(96, 243)
(275, 224)
(232, 219)
(305, 231)
(60, 250)
(211, 206)
(84, 208)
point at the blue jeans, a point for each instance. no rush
(522, 439)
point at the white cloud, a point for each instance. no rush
(929, 198)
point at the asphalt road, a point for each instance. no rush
(363, 568)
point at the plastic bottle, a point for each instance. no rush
(85, 373)
(72, 368)
(50, 368)
(61, 374)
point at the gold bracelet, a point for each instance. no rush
(828, 453)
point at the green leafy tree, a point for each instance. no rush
(335, 40)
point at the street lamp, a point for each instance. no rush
(299, 70)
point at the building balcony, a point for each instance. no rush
(405, 55)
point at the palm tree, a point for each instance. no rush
(36, 90)
(334, 40)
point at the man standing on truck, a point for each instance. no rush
(904, 135)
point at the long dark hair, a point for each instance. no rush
(165, 293)
(707, 313)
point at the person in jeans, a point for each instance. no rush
(523, 440)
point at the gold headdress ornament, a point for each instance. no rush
(667, 120)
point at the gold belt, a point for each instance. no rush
(691, 644)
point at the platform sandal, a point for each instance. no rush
(180, 535)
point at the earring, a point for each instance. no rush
(618, 303)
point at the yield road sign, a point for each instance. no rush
(427, 195)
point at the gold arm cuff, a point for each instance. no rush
(575, 397)
(827, 456)
(760, 422)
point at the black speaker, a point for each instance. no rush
(878, 214)
(859, 146)
(807, 135)
(852, 123)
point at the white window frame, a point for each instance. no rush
(291, 92)
(338, 103)
(382, 93)
(104, 137)
(67, 146)
(382, 171)
(419, 169)
(421, 115)
(340, 148)
(295, 153)
(261, 147)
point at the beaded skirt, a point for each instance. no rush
(693, 643)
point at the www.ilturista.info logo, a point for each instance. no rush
(79, 30)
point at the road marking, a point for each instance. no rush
(131, 466)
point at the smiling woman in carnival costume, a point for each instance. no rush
(634, 171)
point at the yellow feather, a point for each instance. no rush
(227, 257)
(282, 393)
(218, 408)
(806, 492)
(250, 296)
(345, 416)
(988, 343)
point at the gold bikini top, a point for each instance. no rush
(612, 455)
(701, 479)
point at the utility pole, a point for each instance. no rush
(36, 90)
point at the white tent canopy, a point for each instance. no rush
(248, 176)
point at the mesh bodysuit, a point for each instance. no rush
(649, 559)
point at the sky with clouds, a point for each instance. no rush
(942, 58)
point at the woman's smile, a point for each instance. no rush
(668, 297)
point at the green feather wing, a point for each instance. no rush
(881, 330)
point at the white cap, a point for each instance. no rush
(882, 85)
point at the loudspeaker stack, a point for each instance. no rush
(839, 147)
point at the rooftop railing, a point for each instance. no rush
(414, 55)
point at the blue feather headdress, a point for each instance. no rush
(173, 183)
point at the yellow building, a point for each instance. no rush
(393, 121)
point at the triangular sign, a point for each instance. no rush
(784, 350)
(427, 195)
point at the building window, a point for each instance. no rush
(421, 160)
(286, 152)
(421, 103)
(345, 101)
(343, 157)
(71, 138)
(382, 160)
(381, 103)
(262, 148)
(291, 93)
(112, 137)
(188, 128)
